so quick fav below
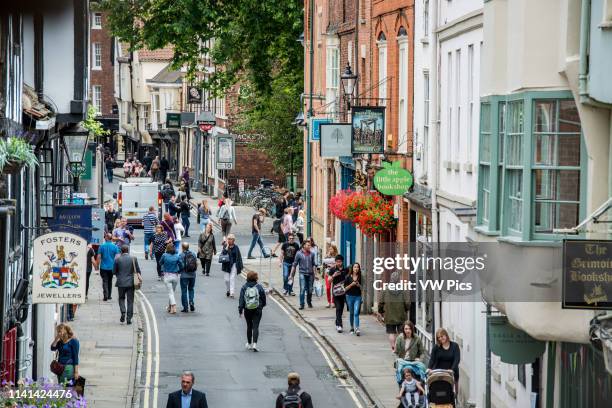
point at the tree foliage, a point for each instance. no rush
(253, 41)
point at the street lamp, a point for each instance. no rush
(348, 83)
(75, 142)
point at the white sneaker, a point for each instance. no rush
(248, 346)
(254, 348)
(339, 329)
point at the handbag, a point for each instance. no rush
(79, 386)
(224, 258)
(338, 289)
(137, 277)
(56, 367)
(318, 288)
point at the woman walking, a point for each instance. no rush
(171, 268)
(204, 215)
(233, 264)
(299, 226)
(157, 247)
(179, 230)
(352, 288)
(207, 248)
(226, 214)
(168, 225)
(67, 347)
(328, 262)
(394, 306)
(445, 355)
(408, 345)
(252, 301)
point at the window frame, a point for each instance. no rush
(498, 218)
(96, 90)
(94, 23)
(96, 54)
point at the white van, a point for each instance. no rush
(135, 197)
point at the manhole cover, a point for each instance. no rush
(277, 371)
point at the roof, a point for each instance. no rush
(168, 76)
(161, 54)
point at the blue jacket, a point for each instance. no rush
(171, 263)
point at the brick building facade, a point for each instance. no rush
(102, 74)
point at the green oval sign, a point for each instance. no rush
(392, 180)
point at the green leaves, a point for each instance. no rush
(18, 151)
(91, 124)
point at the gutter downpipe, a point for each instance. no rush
(585, 14)
(310, 115)
(435, 125)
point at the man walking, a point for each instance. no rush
(122, 235)
(155, 168)
(149, 221)
(305, 262)
(164, 166)
(185, 210)
(109, 166)
(256, 222)
(106, 259)
(294, 396)
(187, 397)
(125, 268)
(288, 252)
(189, 261)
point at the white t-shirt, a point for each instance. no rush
(178, 231)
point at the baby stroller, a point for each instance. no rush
(441, 389)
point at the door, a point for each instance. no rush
(348, 232)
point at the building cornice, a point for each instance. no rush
(463, 24)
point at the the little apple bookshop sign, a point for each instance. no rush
(60, 267)
(392, 180)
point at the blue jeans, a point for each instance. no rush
(109, 175)
(186, 224)
(306, 288)
(256, 240)
(286, 270)
(147, 237)
(203, 223)
(354, 306)
(187, 285)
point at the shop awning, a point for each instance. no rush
(133, 136)
(145, 138)
(418, 198)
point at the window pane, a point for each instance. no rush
(484, 185)
(485, 148)
(557, 185)
(502, 131)
(515, 117)
(515, 150)
(515, 196)
(546, 113)
(549, 216)
(485, 117)
(555, 150)
(569, 120)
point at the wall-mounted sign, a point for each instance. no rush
(73, 219)
(60, 266)
(225, 152)
(206, 121)
(314, 130)
(173, 120)
(392, 180)
(368, 130)
(97, 225)
(194, 95)
(587, 274)
(512, 345)
(335, 140)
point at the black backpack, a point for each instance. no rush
(291, 399)
(191, 263)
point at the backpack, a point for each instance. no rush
(291, 399)
(167, 192)
(191, 263)
(225, 214)
(251, 297)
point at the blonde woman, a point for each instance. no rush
(445, 355)
(67, 347)
(299, 226)
(204, 215)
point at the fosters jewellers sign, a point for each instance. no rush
(60, 266)
(587, 274)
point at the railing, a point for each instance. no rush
(426, 338)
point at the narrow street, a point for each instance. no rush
(211, 343)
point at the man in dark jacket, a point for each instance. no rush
(294, 396)
(124, 269)
(164, 165)
(187, 396)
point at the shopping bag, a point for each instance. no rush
(318, 288)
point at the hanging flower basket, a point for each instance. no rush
(12, 167)
(371, 213)
(15, 153)
(338, 204)
(377, 219)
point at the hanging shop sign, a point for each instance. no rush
(368, 128)
(73, 219)
(194, 95)
(314, 130)
(97, 226)
(587, 274)
(226, 145)
(60, 267)
(392, 180)
(173, 120)
(206, 121)
(512, 345)
(335, 140)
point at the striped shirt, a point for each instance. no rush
(149, 221)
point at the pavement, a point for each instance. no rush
(107, 362)
(367, 358)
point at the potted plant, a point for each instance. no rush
(14, 154)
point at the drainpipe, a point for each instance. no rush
(585, 15)
(310, 115)
(435, 126)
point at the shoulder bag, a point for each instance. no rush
(224, 257)
(56, 367)
(137, 277)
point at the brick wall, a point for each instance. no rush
(105, 76)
